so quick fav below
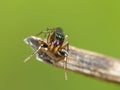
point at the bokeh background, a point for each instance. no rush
(91, 24)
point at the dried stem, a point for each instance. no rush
(82, 61)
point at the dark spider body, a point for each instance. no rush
(56, 42)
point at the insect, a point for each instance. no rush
(56, 43)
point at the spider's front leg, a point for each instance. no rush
(42, 44)
(48, 30)
(66, 43)
(64, 54)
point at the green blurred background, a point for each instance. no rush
(91, 24)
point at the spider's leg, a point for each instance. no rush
(65, 67)
(29, 57)
(42, 45)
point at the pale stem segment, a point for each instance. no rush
(80, 61)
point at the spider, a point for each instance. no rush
(56, 43)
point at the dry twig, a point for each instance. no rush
(82, 61)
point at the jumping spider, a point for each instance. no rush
(55, 43)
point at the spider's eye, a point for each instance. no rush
(59, 36)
